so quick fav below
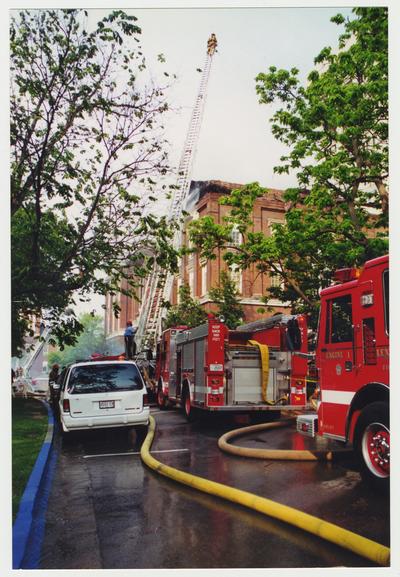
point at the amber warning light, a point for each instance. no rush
(346, 274)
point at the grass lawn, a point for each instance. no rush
(29, 428)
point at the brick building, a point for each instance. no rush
(203, 201)
(251, 285)
(129, 310)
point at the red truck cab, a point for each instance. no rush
(352, 357)
(166, 364)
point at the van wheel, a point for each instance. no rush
(141, 433)
(188, 410)
(136, 435)
(372, 445)
(66, 438)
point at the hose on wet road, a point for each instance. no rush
(356, 543)
(273, 454)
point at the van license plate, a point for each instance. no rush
(107, 404)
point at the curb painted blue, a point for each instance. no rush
(32, 557)
(23, 522)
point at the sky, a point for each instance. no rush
(235, 143)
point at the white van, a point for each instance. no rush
(100, 394)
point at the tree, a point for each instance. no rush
(91, 340)
(188, 312)
(336, 131)
(87, 153)
(225, 296)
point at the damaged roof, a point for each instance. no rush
(198, 188)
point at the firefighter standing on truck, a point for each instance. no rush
(129, 338)
(53, 376)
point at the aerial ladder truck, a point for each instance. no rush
(158, 286)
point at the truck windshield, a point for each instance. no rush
(386, 298)
(104, 378)
(339, 320)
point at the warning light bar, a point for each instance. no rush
(346, 274)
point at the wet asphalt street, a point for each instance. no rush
(108, 511)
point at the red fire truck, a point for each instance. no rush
(259, 367)
(262, 366)
(352, 357)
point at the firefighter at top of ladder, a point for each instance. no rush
(212, 44)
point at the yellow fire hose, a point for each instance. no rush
(264, 354)
(274, 454)
(360, 545)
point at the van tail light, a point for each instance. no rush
(66, 408)
(145, 399)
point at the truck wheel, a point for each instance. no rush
(372, 445)
(188, 410)
(162, 401)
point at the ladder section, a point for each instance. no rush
(149, 319)
(33, 354)
(158, 285)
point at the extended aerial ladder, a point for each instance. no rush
(158, 286)
(35, 352)
(30, 356)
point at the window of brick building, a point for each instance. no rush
(191, 281)
(271, 222)
(236, 236)
(275, 279)
(234, 270)
(237, 277)
(204, 279)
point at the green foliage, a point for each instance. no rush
(336, 127)
(90, 340)
(188, 312)
(87, 153)
(225, 296)
(55, 357)
(336, 130)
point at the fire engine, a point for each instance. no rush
(259, 367)
(262, 366)
(352, 358)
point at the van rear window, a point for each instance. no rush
(104, 378)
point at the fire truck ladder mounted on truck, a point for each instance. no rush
(159, 284)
